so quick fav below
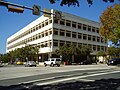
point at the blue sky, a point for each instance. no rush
(10, 22)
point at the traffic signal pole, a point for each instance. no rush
(35, 9)
(3, 3)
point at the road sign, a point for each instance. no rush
(36, 10)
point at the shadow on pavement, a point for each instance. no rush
(103, 84)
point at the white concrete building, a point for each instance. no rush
(54, 33)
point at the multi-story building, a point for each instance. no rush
(52, 33)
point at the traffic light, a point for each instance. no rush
(58, 14)
(36, 10)
(47, 12)
(15, 9)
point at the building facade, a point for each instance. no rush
(52, 33)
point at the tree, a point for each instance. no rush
(110, 23)
(114, 52)
(76, 2)
(73, 53)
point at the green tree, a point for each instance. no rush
(76, 2)
(114, 52)
(110, 23)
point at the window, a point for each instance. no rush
(74, 24)
(73, 34)
(39, 35)
(79, 25)
(68, 34)
(84, 27)
(89, 37)
(50, 21)
(93, 29)
(46, 22)
(62, 43)
(89, 28)
(98, 48)
(42, 34)
(94, 47)
(84, 36)
(42, 24)
(56, 21)
(36, 27)
(98, 39)
(68, 23)
(55, 42)
(97, 30)
(39, 26)
(94, 38)
(46, 33)
(50, 32)
(55, 31)
(62, 33)
(68, 43)
(62, 22)
(79, 35)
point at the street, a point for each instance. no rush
(49, 75)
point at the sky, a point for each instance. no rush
(11, 22)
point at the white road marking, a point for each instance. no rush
(77, 77)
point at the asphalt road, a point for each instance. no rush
(52, 75)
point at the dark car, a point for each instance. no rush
(30, 64)
(114, 61)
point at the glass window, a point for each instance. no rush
(68, 34)
(56, 21)
(42, 24)
(94, 38)
(79, 35)
(68, 23)
(74, 24)
(89, 28)
(84, 36)
(62, 22)
(50, 21)
(55, 31)
(93, 29)
(68, 43)
(46, 22)
(84, 27)
(79, 25)
(55, 42)
(62, 43)
(73, 34)
(46, 33)
(94, 47)
(89, 37)
(98, 48)
(62, 33)
(97, 30)
(98, 39)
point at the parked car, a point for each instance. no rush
(30, 64)
(113, 61)
(52, 62)
(1, 64)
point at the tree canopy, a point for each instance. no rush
(110, 23)
(76, 2)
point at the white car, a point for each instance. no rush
(52, 62)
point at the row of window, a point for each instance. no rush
(77, 25)
(57, 43)
(66, 33)
(32, 38)
(36, 27)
